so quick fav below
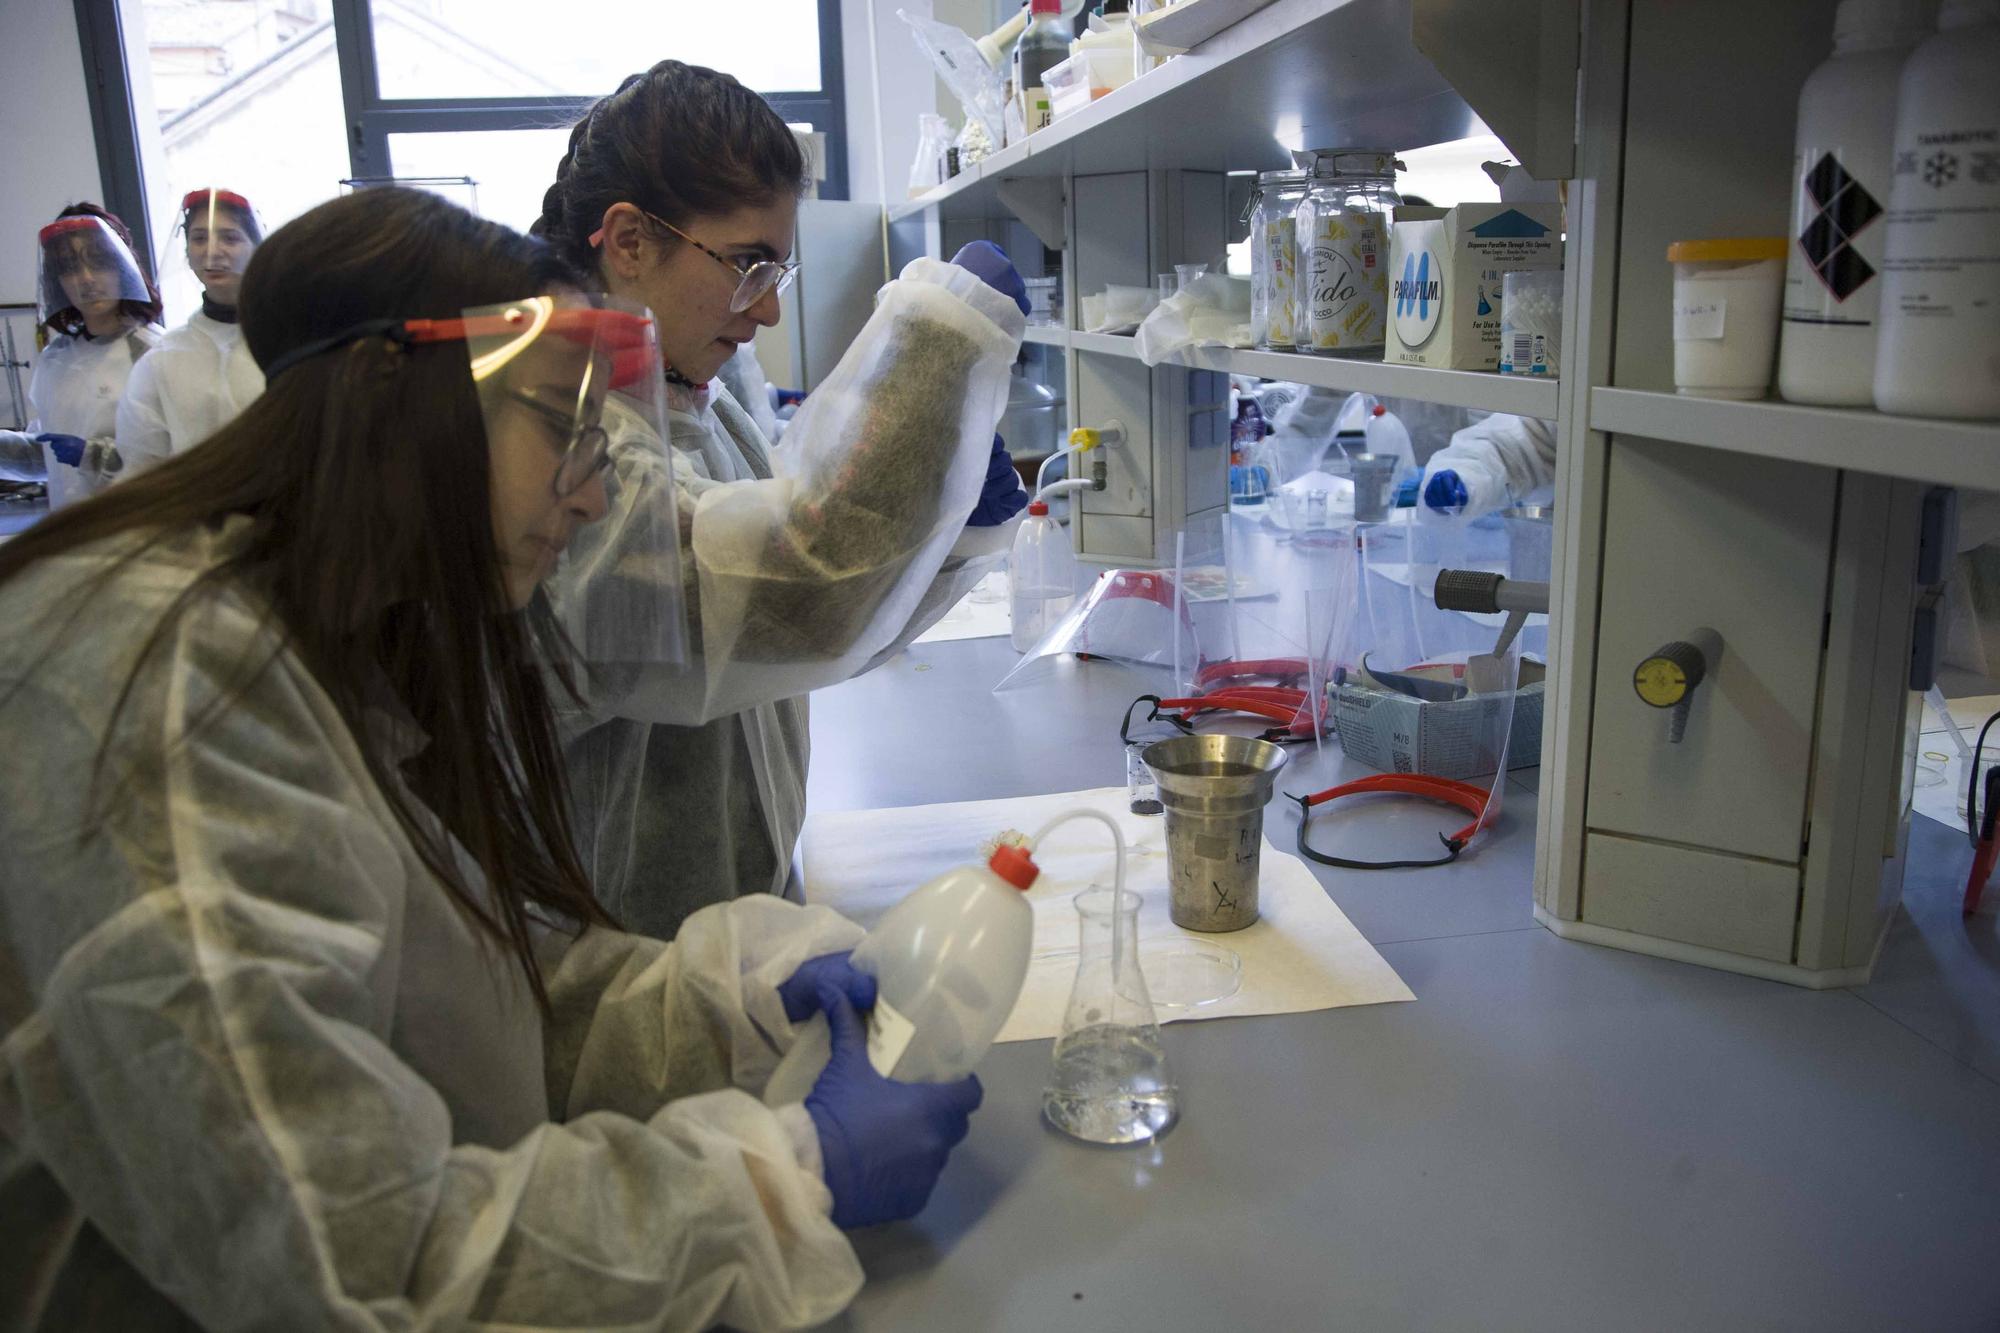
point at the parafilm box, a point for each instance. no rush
(1445, 267)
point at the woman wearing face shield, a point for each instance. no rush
(311, 1020)
(100, 315)
(805, 563)
(202, 374)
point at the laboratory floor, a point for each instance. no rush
(1553, 1136)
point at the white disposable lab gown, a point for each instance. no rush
(1502, 459)
(194, 383)
(256, 1065)
(75, 391)
(803, 565)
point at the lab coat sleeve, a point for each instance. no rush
(636, 1022)
(21, 458)
(799, 580)
(205, 1067)
(143, 438)
(977, 553)
(1500, 459)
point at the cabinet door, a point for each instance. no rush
(1699, 538)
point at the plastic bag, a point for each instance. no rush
(976, 84)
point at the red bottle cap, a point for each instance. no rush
(1014, 865)
(1379, 411)
(1045, 7)
(1037, 508)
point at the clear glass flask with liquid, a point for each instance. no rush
(1110, 1083)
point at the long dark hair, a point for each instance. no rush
(363, 473)
(69, 319)
(679, 141)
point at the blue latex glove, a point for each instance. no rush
(1002, 496)
(68, 449)
(800, 992)
(1446, 493)
(990, 262)
(882, 1143)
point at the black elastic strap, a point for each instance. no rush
(367, 328)
(1307, 850)
(1125, 727)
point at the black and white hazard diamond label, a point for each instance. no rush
(1842, 211)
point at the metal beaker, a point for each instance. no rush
(1374, 486)
(1214, 789)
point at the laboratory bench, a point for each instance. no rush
(1552, 1136)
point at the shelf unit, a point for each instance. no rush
(1770, 843)
(1944, 453)
(1480, 391)
(1320, 71)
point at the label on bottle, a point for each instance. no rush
(889, 1035)
(1944, 227)
(1281, 280)
(1700, 320)
(1836, 236)
(1346, 282)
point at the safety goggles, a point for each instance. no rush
(549, 362)
(753, 281)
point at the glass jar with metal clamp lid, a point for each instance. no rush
(1343, 248)
(1274, 258)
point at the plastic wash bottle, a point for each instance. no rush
(948, 963)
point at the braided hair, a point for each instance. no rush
(679, 141)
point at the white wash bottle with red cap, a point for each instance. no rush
(948, 963)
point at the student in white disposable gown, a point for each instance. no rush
(100, 315)
(310, 1019)
(202, 374)
(805, 563)
(1495, 462)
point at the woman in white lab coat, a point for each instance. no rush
(804, 564)
(100, 315)
(202, 374)
(311, 1020)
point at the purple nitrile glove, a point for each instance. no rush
(882, 1143)
(990, 262)
(68, 449)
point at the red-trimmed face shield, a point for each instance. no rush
(82, 265)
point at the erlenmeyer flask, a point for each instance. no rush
(1110, 1083)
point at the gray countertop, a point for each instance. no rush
(1553, 1136)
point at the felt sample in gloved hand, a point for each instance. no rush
(68, 449)
(990, 262)
(883, 1143)
(1002, 497)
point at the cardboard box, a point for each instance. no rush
(1444, 278)
(1399, 733)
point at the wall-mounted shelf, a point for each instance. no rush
(1946, 453)
(1045, 335)
(1479, 390)
(1295, 74)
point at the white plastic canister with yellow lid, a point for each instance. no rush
(1727, 294)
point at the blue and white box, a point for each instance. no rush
(1445, 270)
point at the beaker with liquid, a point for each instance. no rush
(1110, 1083)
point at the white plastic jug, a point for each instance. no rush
(948, 963)
(1387, 434)
(1041, 577)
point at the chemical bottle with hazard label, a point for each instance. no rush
(1840, 191)
(948, 963)
(1940, 344)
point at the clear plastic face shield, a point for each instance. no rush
(83, 270)
(217, 231)
(560, 375)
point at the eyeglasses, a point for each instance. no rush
(765, 275)
(587, 452)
